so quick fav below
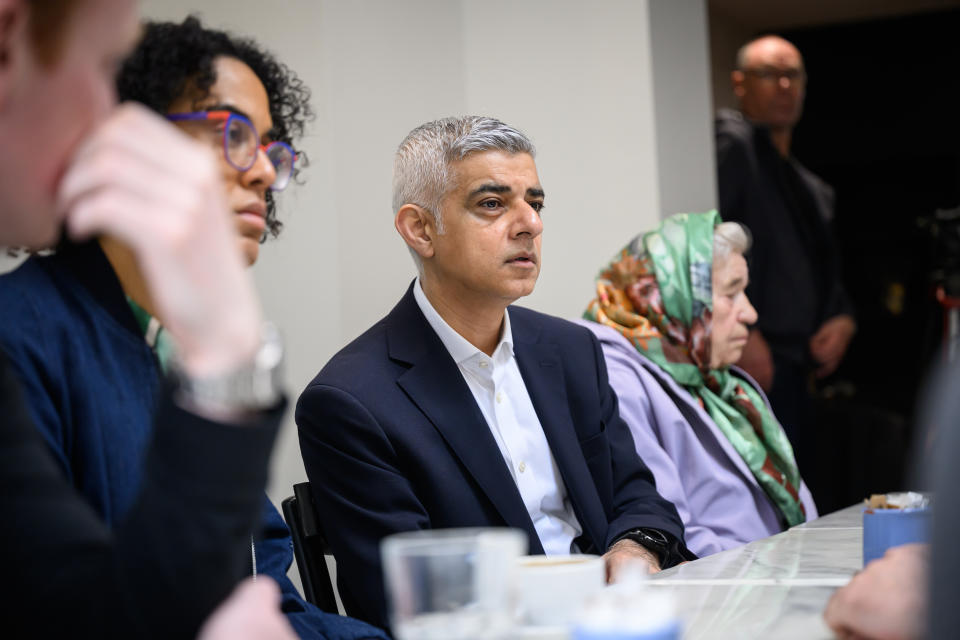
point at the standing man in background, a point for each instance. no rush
(806, 319)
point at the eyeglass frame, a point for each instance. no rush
(773, 74)
(227, 116)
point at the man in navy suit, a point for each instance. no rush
(460, 410)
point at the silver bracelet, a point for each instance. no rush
(254, 386)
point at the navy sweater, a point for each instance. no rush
(159, 575)
(91, 384)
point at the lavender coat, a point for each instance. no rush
(720, 501)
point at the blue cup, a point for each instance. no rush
(885, 528)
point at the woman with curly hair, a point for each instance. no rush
(200, 78)
(80, 326)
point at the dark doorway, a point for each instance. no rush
(882, 125)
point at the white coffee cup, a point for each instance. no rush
(551, 589)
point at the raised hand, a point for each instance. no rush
(143, 182)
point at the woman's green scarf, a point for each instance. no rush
(657, 293)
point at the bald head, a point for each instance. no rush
(764, 48)
(770, 81)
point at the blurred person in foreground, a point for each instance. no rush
(913, 590)
(81, 325)
(806, 318)
(70, 159)
(672, 317)
(459, 409)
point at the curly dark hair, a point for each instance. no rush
(172, 59)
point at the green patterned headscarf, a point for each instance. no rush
(657, 293)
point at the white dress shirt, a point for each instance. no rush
(502, 396)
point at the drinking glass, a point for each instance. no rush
(451, 584)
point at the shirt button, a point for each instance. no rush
(484, 364)
(522, 466)
(499, 397)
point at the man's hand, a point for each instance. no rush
(625, 551)
(142, 181)
(885, 601)
(757, 360)
(252, 612)
(830, 342)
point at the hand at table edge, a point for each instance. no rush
(624, 552)
(885, 601)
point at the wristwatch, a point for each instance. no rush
(653, 540)
(255, 386)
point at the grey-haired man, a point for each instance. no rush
(458, 409)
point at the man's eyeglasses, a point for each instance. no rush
(772, 74)
(241, 144)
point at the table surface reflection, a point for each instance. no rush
(776, 587)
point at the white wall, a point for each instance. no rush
(575, 76)
(682, 106)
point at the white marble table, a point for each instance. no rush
(771, 588)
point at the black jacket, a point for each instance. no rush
(393, 440)
(795, 281)
(66, 573)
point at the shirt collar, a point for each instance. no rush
(459, 348)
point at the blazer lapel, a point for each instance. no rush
(434, 383)
(543, 374)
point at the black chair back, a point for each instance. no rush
(310, 547)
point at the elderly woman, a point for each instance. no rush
(672, 316)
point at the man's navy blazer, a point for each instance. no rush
(393, 440)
